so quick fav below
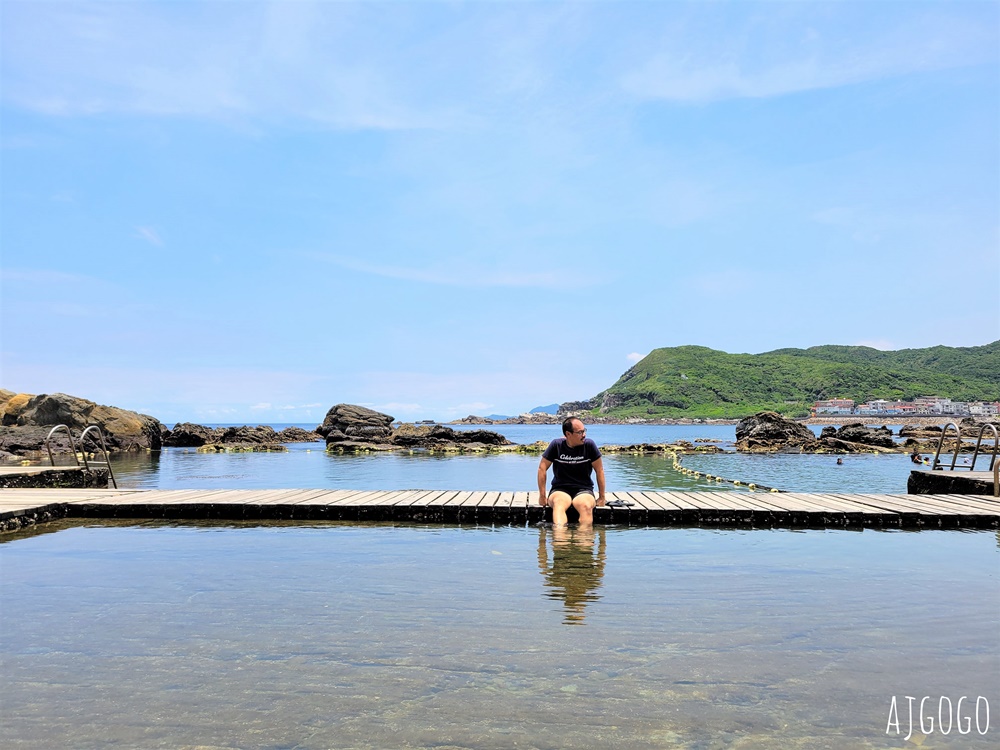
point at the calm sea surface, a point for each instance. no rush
(382, 636)
(307, 465)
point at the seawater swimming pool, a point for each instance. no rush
(339, 635)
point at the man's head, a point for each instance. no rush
(574, 431)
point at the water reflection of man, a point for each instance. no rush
(577, 567)
(573, 458)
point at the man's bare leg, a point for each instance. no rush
(584, 505)
(559, 502)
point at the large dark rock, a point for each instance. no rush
(190, 435)
(298, 435)
(247, 435)
(485, 437)
(123, 429)
(769, 431)
(355, 424)
(856, 432)
(438, 436)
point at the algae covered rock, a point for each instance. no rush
(357, 424)
(768, 431)
(123, 429)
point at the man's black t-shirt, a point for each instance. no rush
(571, 467)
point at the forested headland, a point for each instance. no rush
(698, 382)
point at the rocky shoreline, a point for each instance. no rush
(25, 421)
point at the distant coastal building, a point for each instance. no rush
(834, 406)
(923, 406)
(979, 409)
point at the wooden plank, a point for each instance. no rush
(673, 498)
(504, 500)
(935, 505)
(460, 498)
(421, 498)
(355, 498)
(390, 498)
(986, 505)
(444, 498)
(270, 497)
(488, 500)
(638, 500)
(839, 503)
(524, 499)
(306, 497)
(897, 504)
(327, 497)
(730, 500)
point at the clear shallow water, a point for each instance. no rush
(395, 636)
(307, 465)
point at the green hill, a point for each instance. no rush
(695, 381)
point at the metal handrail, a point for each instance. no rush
(996, 445)
(935, 465)
(104, 449)
(72, 445)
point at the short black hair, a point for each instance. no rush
(568, 424)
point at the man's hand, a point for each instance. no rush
(542, 500)
(601, 500)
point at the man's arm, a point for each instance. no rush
(599, 471)
(543, 468)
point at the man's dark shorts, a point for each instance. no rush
(574, 491)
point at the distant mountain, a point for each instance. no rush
(695, 381)
(497, 417)
(550, 409)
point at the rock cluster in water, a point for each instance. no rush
(235, 439)
(351, 428)
(26, 420)
(769, 432)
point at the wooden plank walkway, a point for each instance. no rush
(21, 507)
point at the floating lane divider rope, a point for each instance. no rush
(752, 486)
(674, 454)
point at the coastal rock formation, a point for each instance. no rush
(920, 431)
(348, 423)
(856, 432)
(528, 418)
(969, 427)
(768, 431)
(351, 428)
(190, 435)
(27, 419)
(441, 437)
(570, 408)
(298, 435)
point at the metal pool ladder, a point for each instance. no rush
(81, 454)
(939, 465)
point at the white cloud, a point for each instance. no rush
(150, 235)
(786, 54)
(330, 63)
(262, 405)
(634, 357)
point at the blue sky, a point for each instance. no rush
(248, 212)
